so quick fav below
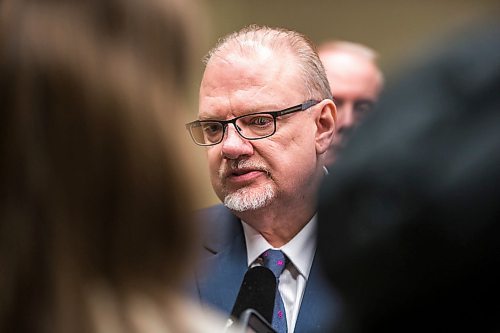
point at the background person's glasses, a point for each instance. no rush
(251, 126)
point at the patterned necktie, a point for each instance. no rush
(275, 260)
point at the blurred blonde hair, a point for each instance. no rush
(94, 192)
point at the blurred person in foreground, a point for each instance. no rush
(266, 120)
(356, 82)
(93, 232)
(410, 221)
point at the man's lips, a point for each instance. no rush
(244, 174)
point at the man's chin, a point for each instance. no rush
(246, 199)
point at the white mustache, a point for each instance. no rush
(235, 165)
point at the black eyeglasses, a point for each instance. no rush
(251, 126)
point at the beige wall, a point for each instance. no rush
(398, 30)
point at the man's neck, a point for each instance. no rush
(278, 225)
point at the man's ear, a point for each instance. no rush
(325, 124)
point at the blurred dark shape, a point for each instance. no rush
(409, 217)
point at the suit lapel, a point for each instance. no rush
(220, 278)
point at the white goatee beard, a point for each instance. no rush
(249, 198)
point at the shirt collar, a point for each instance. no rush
(300, 249)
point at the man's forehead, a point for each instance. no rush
(222, 109)
(354, 78)
(237, 78)
(248, 52)
(344, 62)
(246, 82)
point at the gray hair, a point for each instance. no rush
(250, 38)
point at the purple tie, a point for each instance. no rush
(275, 260)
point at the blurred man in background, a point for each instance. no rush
(356, 81)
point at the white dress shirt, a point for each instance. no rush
(300, 251)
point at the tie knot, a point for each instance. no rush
(275, 260)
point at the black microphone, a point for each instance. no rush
(257, 292)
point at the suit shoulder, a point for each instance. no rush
(214, 216)
(218, 225)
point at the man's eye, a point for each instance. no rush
(363, 106)
(211, 128)
(338, 102)
(261, 121)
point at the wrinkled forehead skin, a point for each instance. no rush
(244, 81)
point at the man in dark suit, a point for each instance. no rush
(267, 118)
(410, 221)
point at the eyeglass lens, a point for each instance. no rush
(254, 126)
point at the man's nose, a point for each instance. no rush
(234, 145)
(346, 116)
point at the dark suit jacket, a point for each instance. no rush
(410, 217)
(224, 264)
